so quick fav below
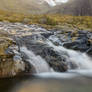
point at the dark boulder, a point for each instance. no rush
(81, 43)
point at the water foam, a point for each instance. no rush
(82, 60)
(37, 61)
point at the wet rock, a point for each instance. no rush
(81, 43)
(39, 47)
(89, 51)
(15, 35)
(10, 63)
(77, 40)
(47, 34)
(56, 40)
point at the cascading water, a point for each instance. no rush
(37, 61)
(81, 60)
(76, 61)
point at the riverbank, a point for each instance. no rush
(49, 21)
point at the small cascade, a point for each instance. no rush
(37, 61)
(81, 60)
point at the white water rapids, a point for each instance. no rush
(83, 62)
(80, 59)
(37, 61)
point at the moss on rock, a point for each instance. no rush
(8, 67)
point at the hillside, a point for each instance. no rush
(74, 7)
(24, 6)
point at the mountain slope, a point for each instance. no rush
(24, 6)
(74, 7)
(71, 7)
(29, 6)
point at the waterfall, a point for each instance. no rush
(37, 61)
(81, 60)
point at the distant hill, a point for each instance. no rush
(24, 6)
(72, 7)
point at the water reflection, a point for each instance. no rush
(48, 83)
(52, 85)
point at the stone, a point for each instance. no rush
(10, 63)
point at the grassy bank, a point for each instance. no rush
(49, 21)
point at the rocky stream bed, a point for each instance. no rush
(32, 49)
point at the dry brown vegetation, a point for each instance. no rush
(49, 21)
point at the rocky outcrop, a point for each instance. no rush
(10, 63)
(13, 36)
(83, 42)
(77, 40)
(40, 47)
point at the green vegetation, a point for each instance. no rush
(49, 21)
